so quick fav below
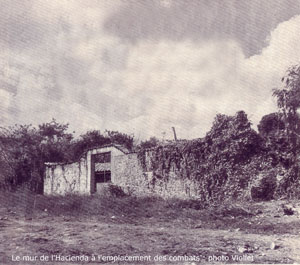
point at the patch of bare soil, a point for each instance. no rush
(256, 233)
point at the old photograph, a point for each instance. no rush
(149, 132)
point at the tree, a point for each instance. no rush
(271, 124)
(273, 130)
(25, 149)
(20, 144)
(288, 101)
(231, 155)
(88, 140)
(288, 97)
(7, 172)
(222, 163)
(55, 141)
(233, 139)
(120, 138)
(148, 144)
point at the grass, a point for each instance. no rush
(139, 210)
(110, 224)
(25, 202)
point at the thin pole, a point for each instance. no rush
(175, 137)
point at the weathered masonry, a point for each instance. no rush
(112, 164)
(94, 168)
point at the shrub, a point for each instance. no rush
(222, 163)
(116, 191)
(265, 188)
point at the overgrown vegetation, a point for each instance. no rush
(222, 163)
(24, 149)
(26, 203)
(231, 161)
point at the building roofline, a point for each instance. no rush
(90, 149)
(119, 147)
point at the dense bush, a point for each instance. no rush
(226, 163)
(24, 149)
(229, 160)
(288, 102)
(265, 187)
(222, 163)
(95, 138)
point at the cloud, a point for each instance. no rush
(177, 81)
(79, 73)
(263, 72)
(5, 98)
(282, 51)
(187, 83)
(248, 22)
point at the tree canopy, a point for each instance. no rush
(24, 149)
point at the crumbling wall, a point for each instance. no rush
(127, 171)
(130, 175)
(61, 179)
(173, 186)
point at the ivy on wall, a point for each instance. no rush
(223, 164)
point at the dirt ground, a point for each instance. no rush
(256, 233)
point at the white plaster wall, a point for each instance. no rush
(75, 177)
(126, 172)
(61, 179)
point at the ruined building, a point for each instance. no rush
(112, 164)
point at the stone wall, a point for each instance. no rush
(61, 179)
(130, 175)
(174, 186)
(77, 177)
(126, 172)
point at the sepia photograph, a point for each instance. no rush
(149, 132)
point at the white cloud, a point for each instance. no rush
(5, 99)
(83, 76)
(189, 83)
(184, 82)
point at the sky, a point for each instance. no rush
(143, 66)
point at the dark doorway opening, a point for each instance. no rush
(102, 177)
